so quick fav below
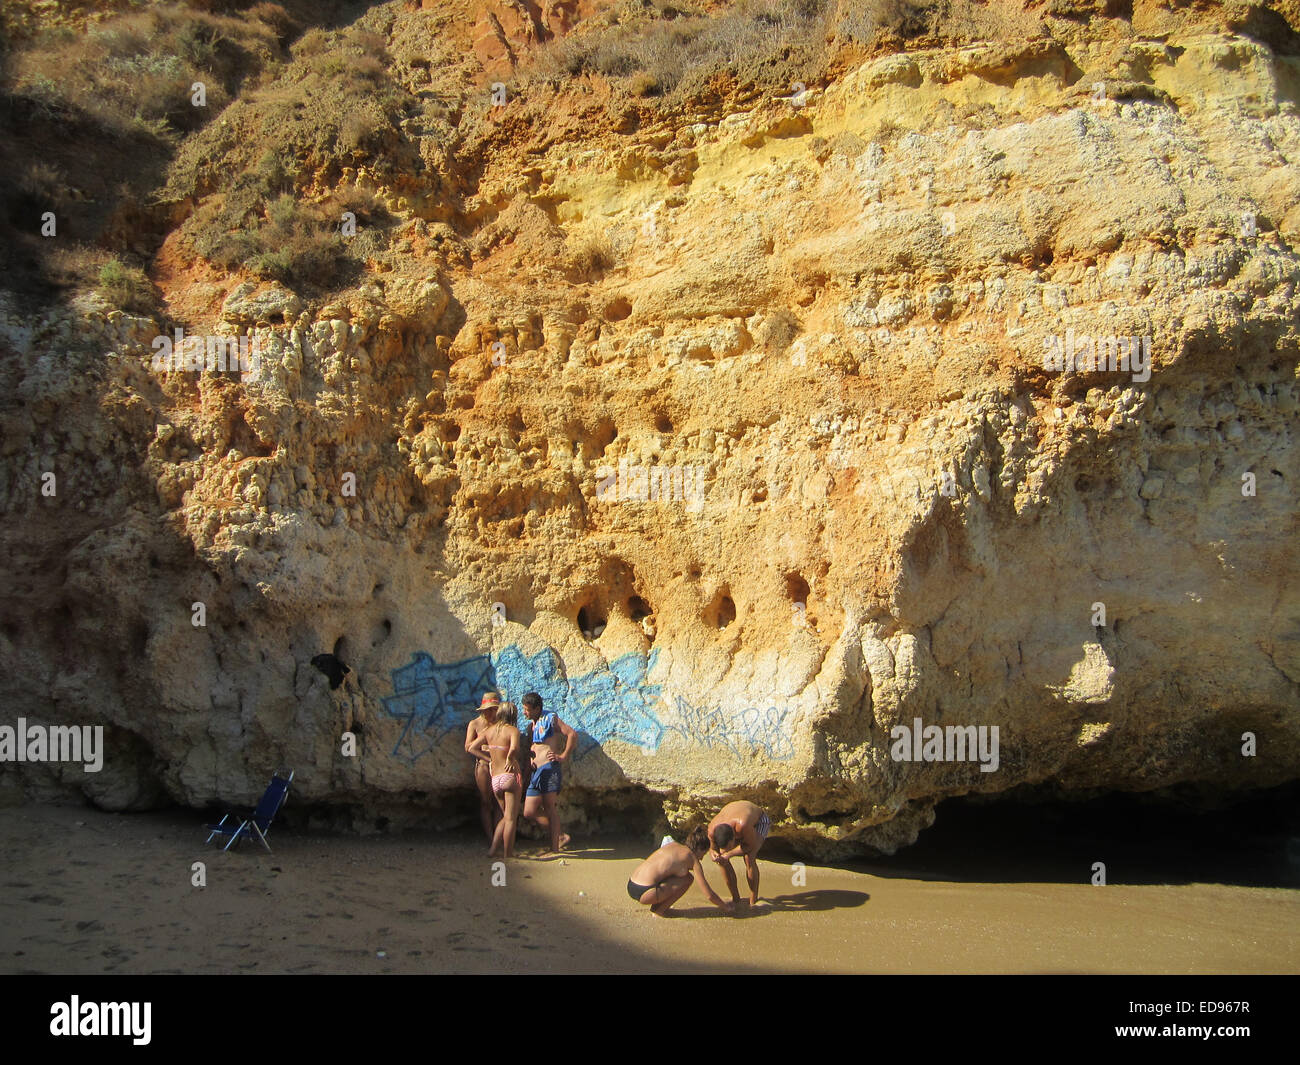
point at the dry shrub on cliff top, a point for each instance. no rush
(261, 226)
(334, 109)
(675, 46)
(335, 106)
(265, 225)
(947, 20)
(669, 47)
(136, 70)
(103, 97)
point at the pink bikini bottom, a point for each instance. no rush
(503, 782)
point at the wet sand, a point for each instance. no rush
(91, 892)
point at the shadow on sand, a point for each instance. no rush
(800, 902)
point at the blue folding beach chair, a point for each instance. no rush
(258, 823)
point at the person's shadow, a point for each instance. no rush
(800, 902)
(821, 899)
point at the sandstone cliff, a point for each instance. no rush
(720, 409)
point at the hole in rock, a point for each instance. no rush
(796, 588)
(590, 622)
(617, 309)
(663, 423)
(721, 612)
(638, 608)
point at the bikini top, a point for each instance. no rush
(494, 746)
(543, 727)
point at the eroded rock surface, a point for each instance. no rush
(775, 469)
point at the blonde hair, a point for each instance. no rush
(508, 714)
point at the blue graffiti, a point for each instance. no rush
(753, 728)
(613, 702)
(433, 700)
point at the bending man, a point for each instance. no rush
(739, 829)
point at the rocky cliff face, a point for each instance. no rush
(747, 424)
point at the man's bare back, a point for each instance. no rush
(743, 816)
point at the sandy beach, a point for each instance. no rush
(92, 892)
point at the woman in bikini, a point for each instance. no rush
(498, 747)
(666, 875)
(487, 807)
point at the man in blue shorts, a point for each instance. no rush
(547, 732)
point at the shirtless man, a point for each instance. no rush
(740, 828)
(546, 731)
(666, 875)
(487, 805)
